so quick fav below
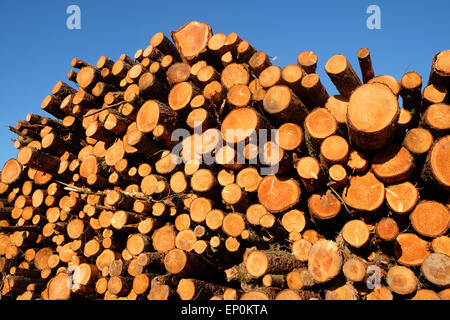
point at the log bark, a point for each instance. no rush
(365, 63)
(342, 75)
(284, 106)
(308, 61)
(259, 263)
(440, 73)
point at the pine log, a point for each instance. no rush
(375, 129)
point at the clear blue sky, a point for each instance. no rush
(36, 46)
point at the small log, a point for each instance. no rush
(342, 75)
(434, 268)
(119, 285)
(307, 60)
(440, 73)
(284, 106)
(72, 75)
(51, 105)
(337, 176)
(311, 173)
(355, 233)
(401, 280)
(393, 164)
(319, 124)
(203, 181)
(430, 218)
(313, 92)
(162, 43)
(214, 219)
(240, 124)
(324, 250)
(418, 141)
(153, 113)
(206, 75)
(300, 249)
(365, 63)
(410, 250)
(138, 243)
(214, 92)
(143, 143)
(258, 62)
(178, 72)
(402, 198)
(234, 74)
(78, 63)
(426, 294)
(270, 77)
(239, 96)
(436, 170)
(293, 221)
(364, 193)
(37, 159)
(436, 119)
(432, 94)
(275, 280)
(411, 91)
(187, 264)
(248, 179)
(277, 194)
(226, 177)
(163, 239)
(245, 51)
(259, 263)
(345, 292)
(337, 106)
(324, 206)
(357, 162)
(441, 245)
(88, 77)
(185, 240)
(381, 293)
(334, 150)
(12, 172)
(233, 224)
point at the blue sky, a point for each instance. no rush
(36, 46)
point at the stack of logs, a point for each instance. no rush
(103, 203)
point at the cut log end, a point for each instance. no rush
(387, 229)
(325, 261)
(355, 233)
(278, 195)
(430, 219)
(410, 250)
(364, 193)
(371, 123)
(436, 269)
(401, 280)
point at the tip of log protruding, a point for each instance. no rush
(183, 38)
